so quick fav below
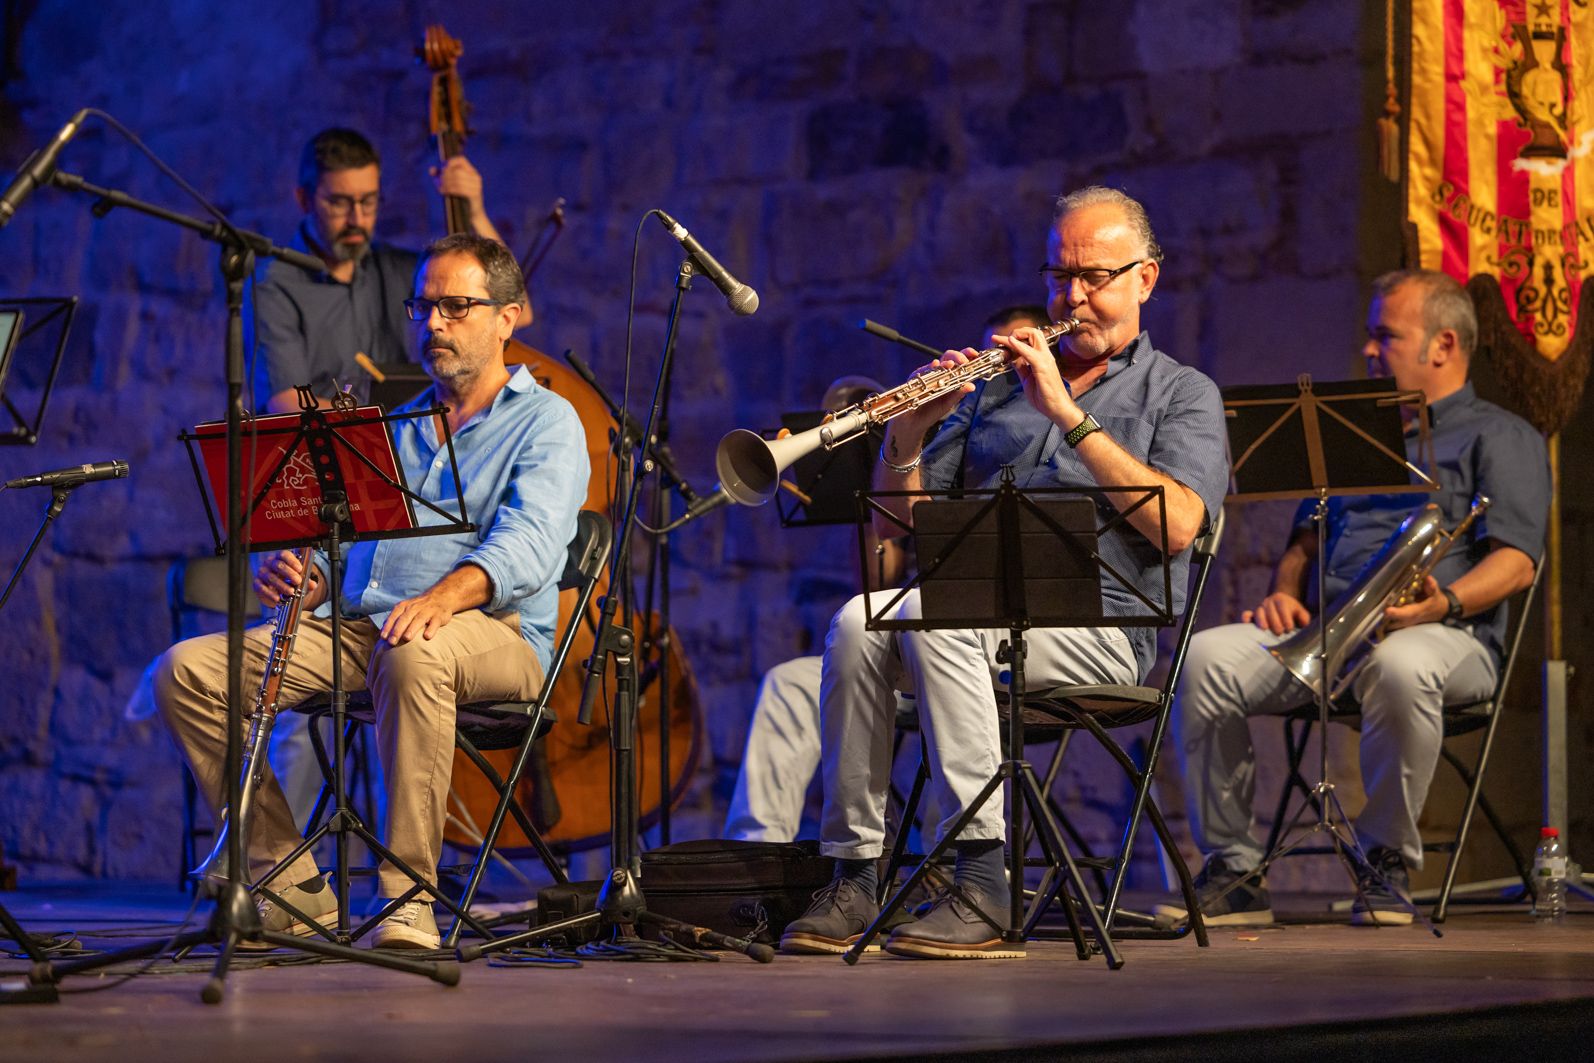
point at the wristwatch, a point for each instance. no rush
(1081, 430)
(1455, 610)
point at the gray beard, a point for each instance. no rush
(343, 252)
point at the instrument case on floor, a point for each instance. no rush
(744, 889)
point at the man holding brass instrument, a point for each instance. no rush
(1442, 647)
(1107, 409)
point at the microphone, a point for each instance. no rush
(37, 170)
(74, 476)
(700, 505)
(742, 299)
(886, 332)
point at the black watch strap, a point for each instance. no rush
(1456, 609)
(1081, 430)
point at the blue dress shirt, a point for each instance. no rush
(1479, 448)
(1167, 415)
(305, 328)
(523, 466)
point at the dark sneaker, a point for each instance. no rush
(1381, 890)
(834, 922)
(314, 898)
(1226, 897)
(953, 929)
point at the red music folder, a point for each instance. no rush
(287, 513)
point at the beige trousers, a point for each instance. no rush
(415, 688)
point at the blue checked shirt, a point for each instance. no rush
(1167, 415)
(523, 464)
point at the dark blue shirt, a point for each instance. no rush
(304, 328)
(1479, 448)
(1167, 415)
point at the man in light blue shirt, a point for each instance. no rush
(434, 621)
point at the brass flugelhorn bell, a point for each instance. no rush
(1392, 577)
(750, 466)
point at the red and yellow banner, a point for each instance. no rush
(1500, 162)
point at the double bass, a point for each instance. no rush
(567, 789)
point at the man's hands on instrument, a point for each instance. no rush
(1428, 607)
(457, 177)
(278, 577)
(905, 433)
(1037, 369)
(1279, 613)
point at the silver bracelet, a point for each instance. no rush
(900, 470)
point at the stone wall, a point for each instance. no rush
(889, 160)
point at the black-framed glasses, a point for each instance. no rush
(339, 204)
(1089, 279)
(452, 307)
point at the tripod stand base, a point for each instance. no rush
(235, 919)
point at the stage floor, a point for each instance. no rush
(1493, 981)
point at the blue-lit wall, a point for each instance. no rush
(891, 160)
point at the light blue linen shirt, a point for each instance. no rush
(523, 464)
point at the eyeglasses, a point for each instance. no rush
(452, 307)
(1089, 279)
(366, 204)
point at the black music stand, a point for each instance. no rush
(317, 444)
(20, 361)
(342, 469)
(827, 481)
(1320, 440)
(1014, 559)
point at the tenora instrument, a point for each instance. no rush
(261, 723)
(749, 465)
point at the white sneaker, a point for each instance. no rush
(411, 926)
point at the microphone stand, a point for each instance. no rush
(235, 917)
(58, 496)
(621, 906)
(656, 457)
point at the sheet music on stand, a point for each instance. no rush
(286, 489)
(961, 579)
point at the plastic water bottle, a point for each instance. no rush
(1549, 878)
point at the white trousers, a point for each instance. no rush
(781, 757)
(1411, 675)
(954, 674)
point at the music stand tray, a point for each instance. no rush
(1006, 558)
(20, 321)
(827, 481)
(1309, 439)
(1316, 440)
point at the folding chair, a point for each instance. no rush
(517, 725)
(1052, 715)
(1458, 720)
